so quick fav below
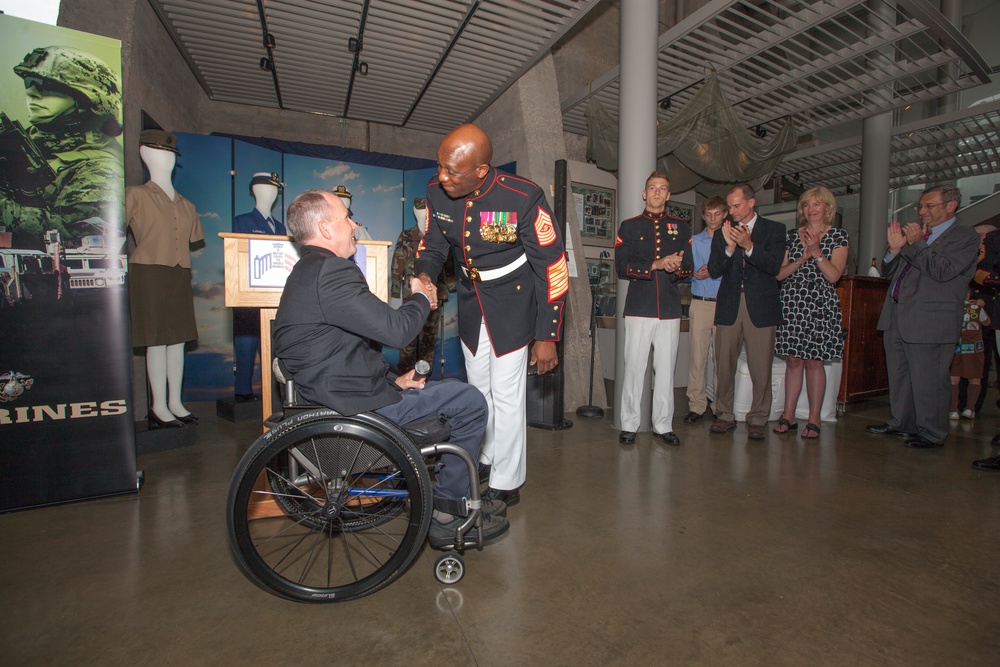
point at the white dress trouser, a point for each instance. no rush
(663, 336)
(502, 381)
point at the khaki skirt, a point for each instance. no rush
(162, 305)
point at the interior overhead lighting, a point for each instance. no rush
(354, 45)
(268, 41)
(363, 69)
(760, 132)
(265, 64)
(665, 103)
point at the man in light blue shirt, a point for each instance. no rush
(701, 313)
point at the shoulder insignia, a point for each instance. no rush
(618, 241)
(544, 230)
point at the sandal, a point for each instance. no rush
(789, 426)
(811, 431)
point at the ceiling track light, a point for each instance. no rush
(266, 64)
(268, 41)
(760, 132)
(354, 45)
(362, 68)
(665, 103)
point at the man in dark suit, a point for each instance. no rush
(930, 265)
(747, 256)
(329, 332)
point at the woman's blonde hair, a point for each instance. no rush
(823, 195)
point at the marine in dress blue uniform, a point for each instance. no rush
(652, 252)
(512, 284)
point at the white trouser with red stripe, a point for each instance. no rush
(502, 380)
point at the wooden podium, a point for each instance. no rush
(240, 294)
(864, 373)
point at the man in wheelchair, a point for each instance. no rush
(329, 333)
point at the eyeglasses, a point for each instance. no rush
(921, 207)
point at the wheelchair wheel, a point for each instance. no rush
(449, 568)
(344, 511)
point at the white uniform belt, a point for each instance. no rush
(480, 275)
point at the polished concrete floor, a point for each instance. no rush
(851, 551)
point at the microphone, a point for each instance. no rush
(421, 370)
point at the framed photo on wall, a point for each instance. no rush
(682, 211)
(595, 209)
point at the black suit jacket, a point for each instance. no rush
(330, 329)
(756, 277)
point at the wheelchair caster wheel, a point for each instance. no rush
(449, 569)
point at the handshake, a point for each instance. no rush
(423, 285)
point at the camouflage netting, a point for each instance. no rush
(703, 147)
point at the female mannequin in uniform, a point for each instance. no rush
(163, 224)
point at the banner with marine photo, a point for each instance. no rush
(65, 429)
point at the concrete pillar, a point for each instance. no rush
(636, 143)
(876, 139)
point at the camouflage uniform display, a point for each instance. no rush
(421, 347)
(80, 191)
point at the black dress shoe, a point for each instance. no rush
(691, 417)
(627, 437)
(670, 438)
(884, 429)
(246, 398)
(153, 422)
(508, 498)
(188, 419)
(991, 464)
(920, 442)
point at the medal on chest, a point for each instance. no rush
(498, 226)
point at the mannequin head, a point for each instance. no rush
(158, 150)
(420, 213)
(264, 188)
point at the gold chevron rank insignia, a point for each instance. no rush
(544, 230)
(558, 275)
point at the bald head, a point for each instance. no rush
(463, 160)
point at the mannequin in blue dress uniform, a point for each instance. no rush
(264, 187)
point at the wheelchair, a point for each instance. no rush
(329, 508)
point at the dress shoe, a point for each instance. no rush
(991, 464)
(722, 426)
(442, 535)
(508, 498)
(627, 437)
(670, 438)
(920, 442)
(188, 419)
(153, 422)
(996, 440)
(755, 431)
(884, 429)
(246, 398)
(691, 417)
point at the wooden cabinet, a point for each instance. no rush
(864, 373)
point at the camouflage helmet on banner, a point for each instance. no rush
(92, 82)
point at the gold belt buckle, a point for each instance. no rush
(474, 275)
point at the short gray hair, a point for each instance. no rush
(305, 212)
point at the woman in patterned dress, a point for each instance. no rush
(811, 331)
